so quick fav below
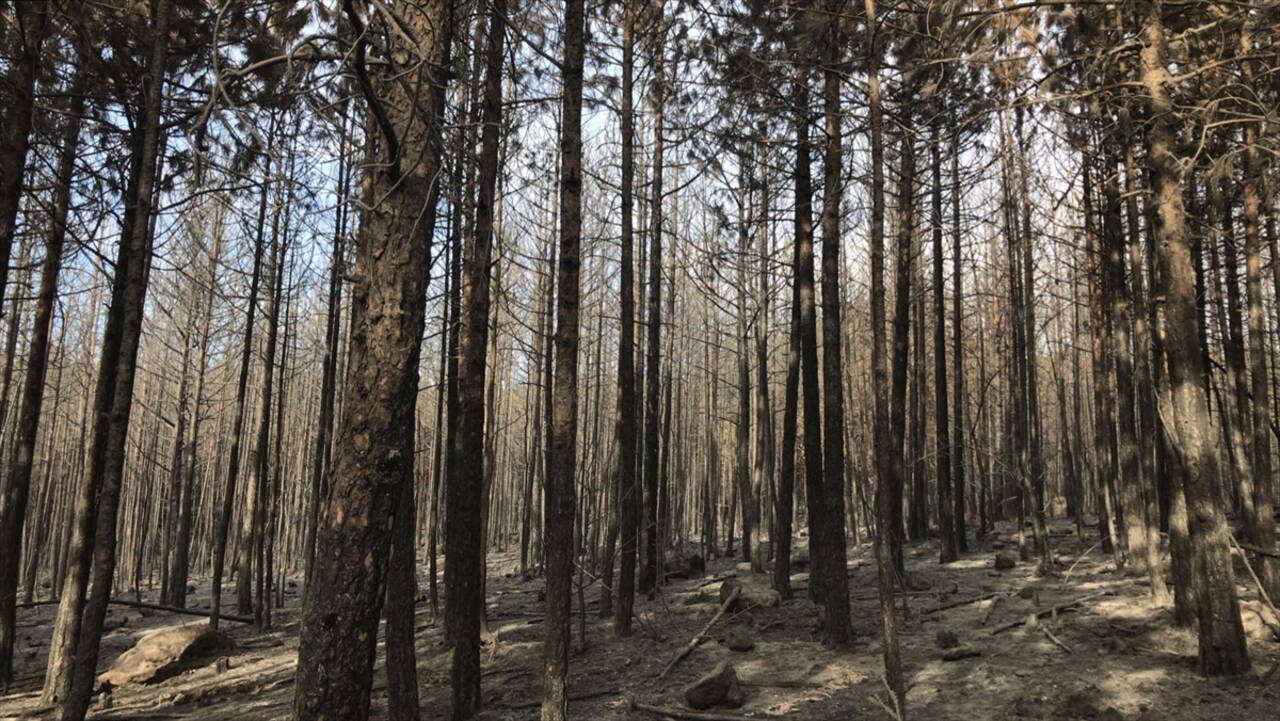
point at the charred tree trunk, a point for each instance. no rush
(464, 566)
(17, 484)
(393, 259)
(1222, 641)
(830, 504)
(628, 492)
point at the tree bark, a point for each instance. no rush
(628, 493)
(831, 502)
(1221, 634)
(564, 419)
(17, 485)
(393, 259)
(463, 567)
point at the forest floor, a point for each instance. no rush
(1113, 657)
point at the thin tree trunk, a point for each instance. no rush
(17, 483)
(564, 420)
(831, 502)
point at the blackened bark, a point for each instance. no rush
(117, 369)
(564, 420)
(649, 558)
(393, 258)
(949, 550)
(25, 36)
(463, 568)
(831, 503)
(901, 325)
(17, 485)
(888, 480)
(811, 393)
(628, 493)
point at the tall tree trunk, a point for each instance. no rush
(24, 35)
(180, 569)
(628, 493)
(831, 501)
(888, 479)
(328, 373)
(372, 458)
(820, 568)
(1032, 424)
(958, 452)
(118, 367)
(463, 566)
(906, 229)
(254, 519)
(1263, 529)
(949, 550)
(17, 484)
(564, 420)
(1222, 640)
(787, 472)
(649, 557)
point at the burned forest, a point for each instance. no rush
(693, 360)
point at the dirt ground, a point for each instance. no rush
(1113, 657)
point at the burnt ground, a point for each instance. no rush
(1112, 657)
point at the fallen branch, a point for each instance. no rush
(995, 601)
(717, 579)
(1050, 610)
(1049, 635)
(154, 607)
(1255, 549)
(964, 602)
(1080, 558)
(697, 639)
(580, 696)
(688, 715)
(1262, 591)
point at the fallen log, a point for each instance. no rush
(153, 607)
(697, 639)
(1050, 610)
(963, 602)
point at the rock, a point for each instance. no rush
(918, 582)
(104, 702)
(1078, 705)
(720, 687)
(1026, 592)
(960, 652)
(743, 567)
(947, 639)
(740, 640)
(1111, 714)
(697, 566)
(165, 652)
(1005, 561)
(111, 623)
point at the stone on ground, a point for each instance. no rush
(719, 687)
(739, 639)
(164, 653)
